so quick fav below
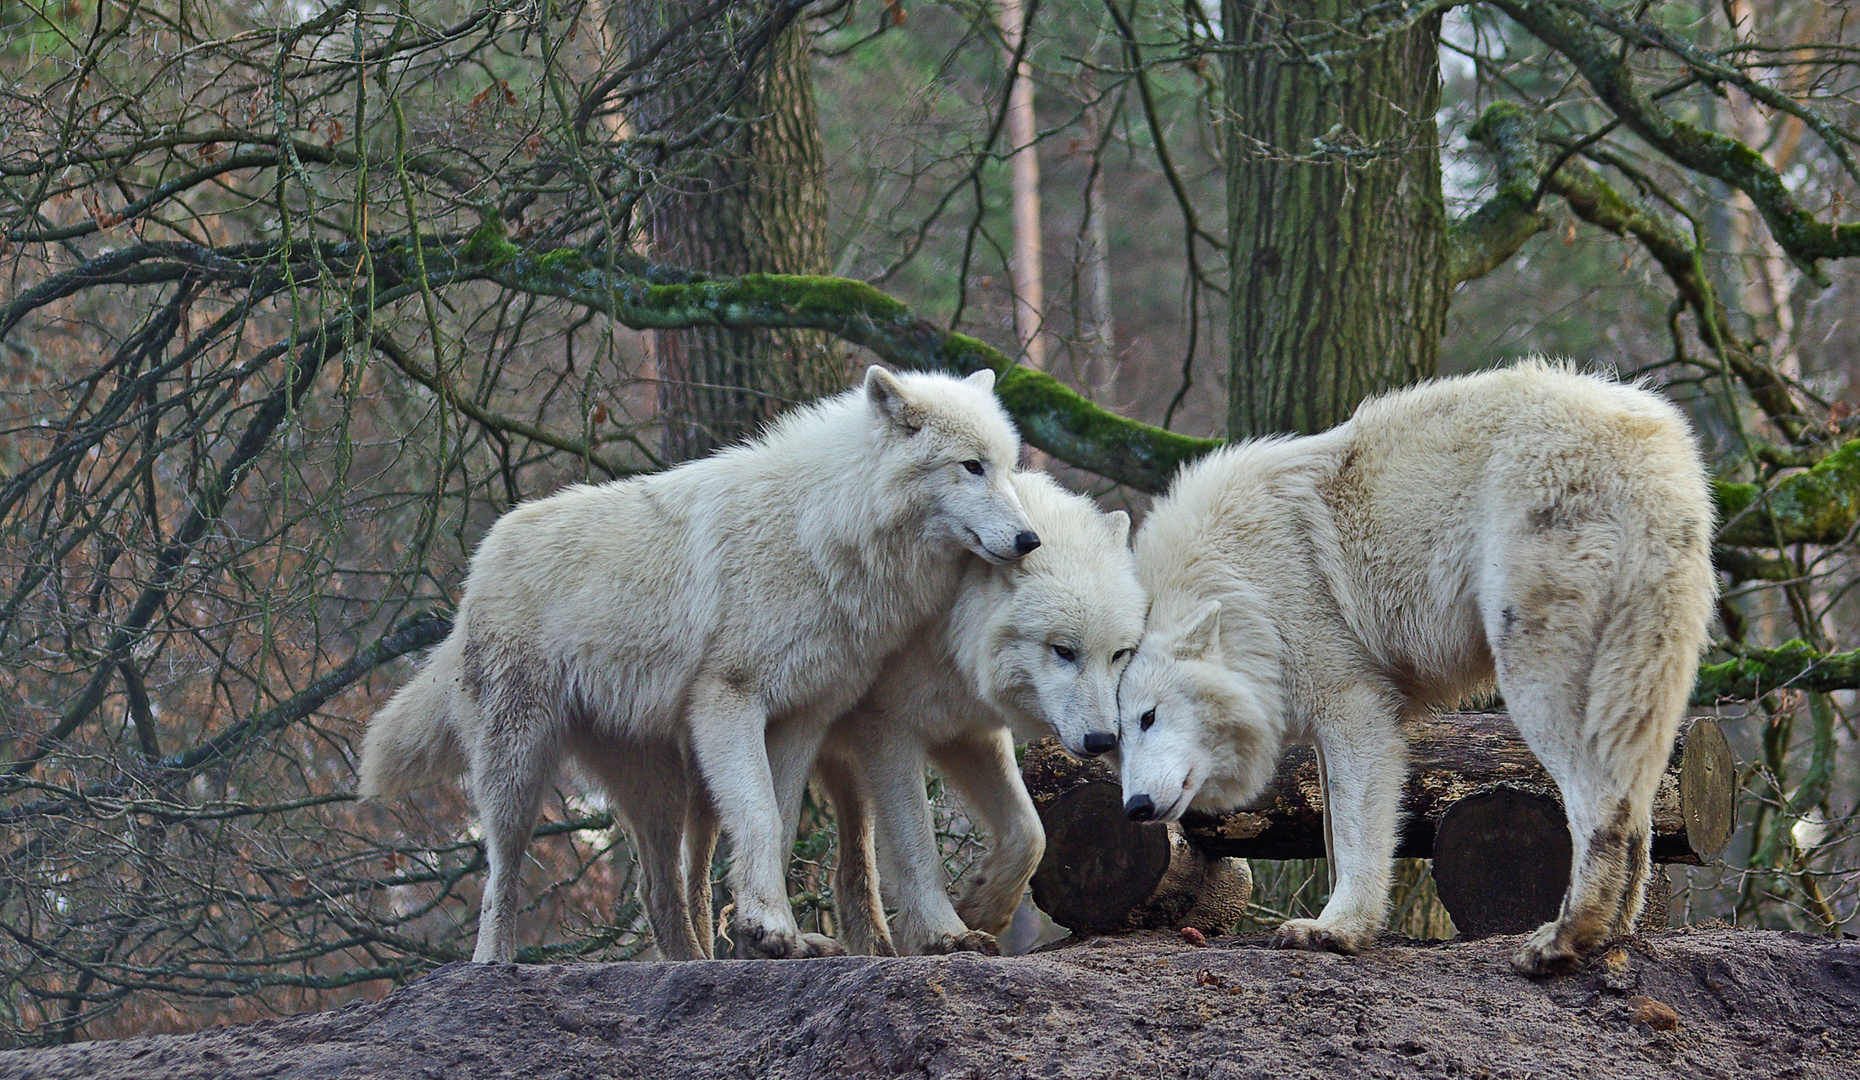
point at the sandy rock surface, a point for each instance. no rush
(1747, 1004)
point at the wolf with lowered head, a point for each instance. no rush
(1536, 527)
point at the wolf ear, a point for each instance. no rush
(984, 378)
(889, 399)
(1119, 521)
(1203, 638)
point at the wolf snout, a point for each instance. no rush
(1025, 541)
(1139, 808)
(1099, 742)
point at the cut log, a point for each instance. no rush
(1457, 755)
(1102, 873)
(1099, 866)
(1502, 860)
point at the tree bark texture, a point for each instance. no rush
(1454, 756)
(1476, 802)
(1451, 757)
(1338, 230)
(752, 199)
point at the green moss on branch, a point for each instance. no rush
(1484, 239)
(1051, 416)
(1793, 666)
(1815, 506)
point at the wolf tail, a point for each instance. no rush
(413, 742)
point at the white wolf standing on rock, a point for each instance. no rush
(729, 609)
(1029, 649)
(1536, 525)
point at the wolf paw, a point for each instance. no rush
(973, 941)
(1545, 955)
(763, 943)
(989, 906)
(1314, 936)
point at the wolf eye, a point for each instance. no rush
(1146, 720)
(1065, 654)
(973, 466)
(1119, 655)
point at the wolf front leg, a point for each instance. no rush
(981, 767)
(1365, 764)
(927, 923)
(727, 728)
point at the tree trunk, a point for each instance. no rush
(1023, 135)
(1338, 249)
(753, 201)
(1098, 332)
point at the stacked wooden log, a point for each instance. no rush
(1477, 802)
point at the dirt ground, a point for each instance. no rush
(1692, 1003)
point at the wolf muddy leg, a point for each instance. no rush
(1365, 755)
(861, 911)
(1595, 631)
(649, 788)
(1605, 742)
(793, 748)
(510, 765)
(700, 845)
(927, 923)
(982, 770)
(727, 729)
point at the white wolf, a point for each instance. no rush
(723, 613)
(1028, 648)
(1534, 524)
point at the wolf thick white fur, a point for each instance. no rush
(717, 616)
(1545, 528)
(1030, 649)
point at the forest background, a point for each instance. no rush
(299, 297)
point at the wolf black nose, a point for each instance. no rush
(1140, 808)
(1026, 540)
(1099, 742)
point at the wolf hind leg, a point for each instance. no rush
(650, 789)
(1598, 698)
(513, 759)
(857, 903)
(700, 846)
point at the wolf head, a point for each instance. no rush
(950, 448)
(1065, 621)
(1192, 730)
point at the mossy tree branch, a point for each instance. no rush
(1815, 506)
(1513, 135)
(1566, 28)
(1051, 415)
(1485, 238)
(1793, 666)
(1818, 505)
(1809, 506)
